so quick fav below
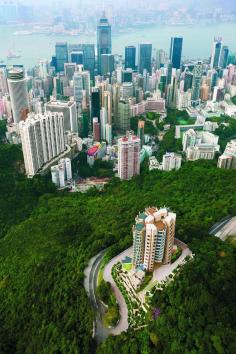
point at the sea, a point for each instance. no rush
(197, 41)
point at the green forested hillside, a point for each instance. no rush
(43, 306)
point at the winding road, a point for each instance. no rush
(90, 284)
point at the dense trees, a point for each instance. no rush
(43, 305)
(197, 309)
(18, 195)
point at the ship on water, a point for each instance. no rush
(13, 55)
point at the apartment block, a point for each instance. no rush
(153, 237)
(42, 138)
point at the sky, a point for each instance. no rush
(160, 4)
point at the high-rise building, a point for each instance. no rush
(228, 159)
(81, 83)
(69, 69)
(216, 53)
(107, 64)
(95, 104)
(169, 73)
(130, 57)
(42, 138)
(96, 129)
(83, 54)
(161, 58)
(141, 127)
(107, 104)
(126, 91)
(153, 237)
(176, 51)
(68, 108)
(128, 157)
(123, 118)
(103, 39)
(197, 79)
(62, 172)
(171, 161)
(61, 55)
(224, 57)
(188, 80)
(145, 57)
(77, 57)
(17, 85)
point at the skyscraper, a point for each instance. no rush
(145, 57)
(128, 157)
(83, 54)
(103, 39)
(224, 57)
(123, 118)
(61, 55)
(17, 84)
(130, 57)
(176, 51)
(107, 64)
(216, 53)
(197, 79)
(95, 104)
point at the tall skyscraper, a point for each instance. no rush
(130, 57)
(145, 57)
(61, 55)
(128, 157)
(42, 138)
(123, 118)
(83, 54)
(176, 51)
(216, 53)
(188, 80)
(107, 64)
(95, 104)
(224, 57)
(153, 237)
(197, 79)
(103, 39)
(17, 85)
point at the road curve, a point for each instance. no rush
(123, 323)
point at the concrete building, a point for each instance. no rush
(104, 43)
(42, 138)
(153, 238)
(128, 157)
(68, 108)
(171, 161)
(17, 85)
(62, 172)
(228, 159)
(200, 145)
(124, 114)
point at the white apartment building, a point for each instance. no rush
(228, 159)
(153, 237)
(42, 138)
(128, 157)
(69, 112)
(171, 161)
(62, 172)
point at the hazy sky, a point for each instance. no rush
(160, 4)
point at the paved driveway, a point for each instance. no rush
(123, 323)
